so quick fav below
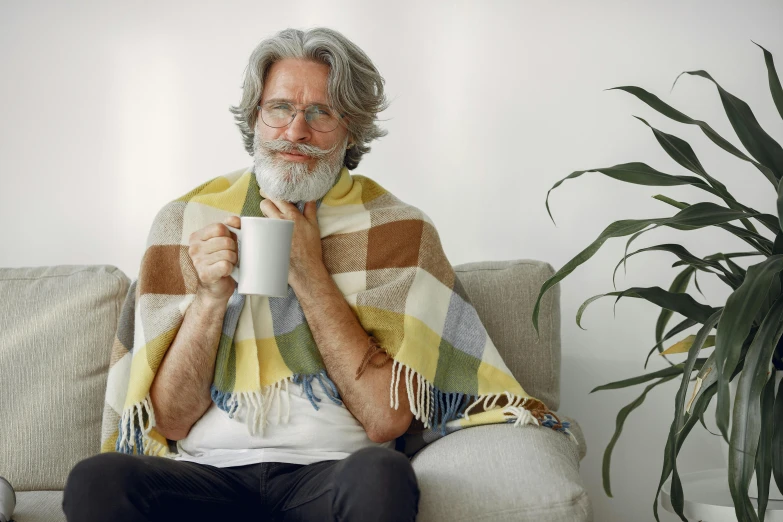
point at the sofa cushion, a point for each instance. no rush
(504, 294)
(57, 325)
(499, 473)
(39, 506)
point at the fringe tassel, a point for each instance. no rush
(435, 408)
(133, 431)
(326, 384)
(258, 404)
(522, 416)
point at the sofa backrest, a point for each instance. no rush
(57, 325)
(56, 329)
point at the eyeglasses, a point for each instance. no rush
(281, 114)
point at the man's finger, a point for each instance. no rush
(287, 209)
(235, 222)
(270, 209)
(310, 211)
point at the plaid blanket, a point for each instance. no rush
(385, 257)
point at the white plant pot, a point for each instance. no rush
(753, 492)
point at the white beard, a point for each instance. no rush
(294, 181)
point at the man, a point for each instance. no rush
(294, 162)
(210, 388)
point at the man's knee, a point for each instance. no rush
(100, 483)
(380, 462)
(381, 477)
(103, 473)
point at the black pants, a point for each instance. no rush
(372, 484)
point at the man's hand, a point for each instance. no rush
(306, 253)
(213, 250)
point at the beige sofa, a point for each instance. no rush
(56, 329)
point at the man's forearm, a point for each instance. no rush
(343, 344)
(180, 392)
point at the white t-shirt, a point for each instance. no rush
(309, 436)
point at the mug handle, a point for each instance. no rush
(238, 232)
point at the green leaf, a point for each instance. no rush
(705, 214)
(730, 278)
(684, 255)
(764, 454)
(616, 229)
(625, 383)
(679, 286)
(736, 269)
(637, 174)
(754, 239)
(746, 418)
(761, 146)
(681, 303)
(738, 273)
(679, 421)
(704, 425)
(780, 204)
(738, 315)
(775, 291)
(681, 152)
(696, 283)
(777, 438)
(619, 423)
(698, 343)
(758, 241)
(679, 204)
(774, 81)
(695, 216)
(725, 257)
(768, 220)
(670, 112)
(673, 445)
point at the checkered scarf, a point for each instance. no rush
(386, 259)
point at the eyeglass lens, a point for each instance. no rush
(318, 117)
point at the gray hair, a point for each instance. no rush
(355, 87)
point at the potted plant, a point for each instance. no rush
(748, 351)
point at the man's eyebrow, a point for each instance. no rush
(292, 102)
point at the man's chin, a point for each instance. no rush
(294, 181)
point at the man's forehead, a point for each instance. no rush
(292, 101)
(297, 81)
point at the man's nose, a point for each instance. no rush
(298, 130)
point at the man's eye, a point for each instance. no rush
(281, 107)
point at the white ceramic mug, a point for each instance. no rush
(264, 256)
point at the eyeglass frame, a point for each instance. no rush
(339, 118)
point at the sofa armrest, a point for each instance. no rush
(576, 429)
(501, 472)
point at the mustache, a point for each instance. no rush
(307, 150)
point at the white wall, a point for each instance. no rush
(111, 109)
